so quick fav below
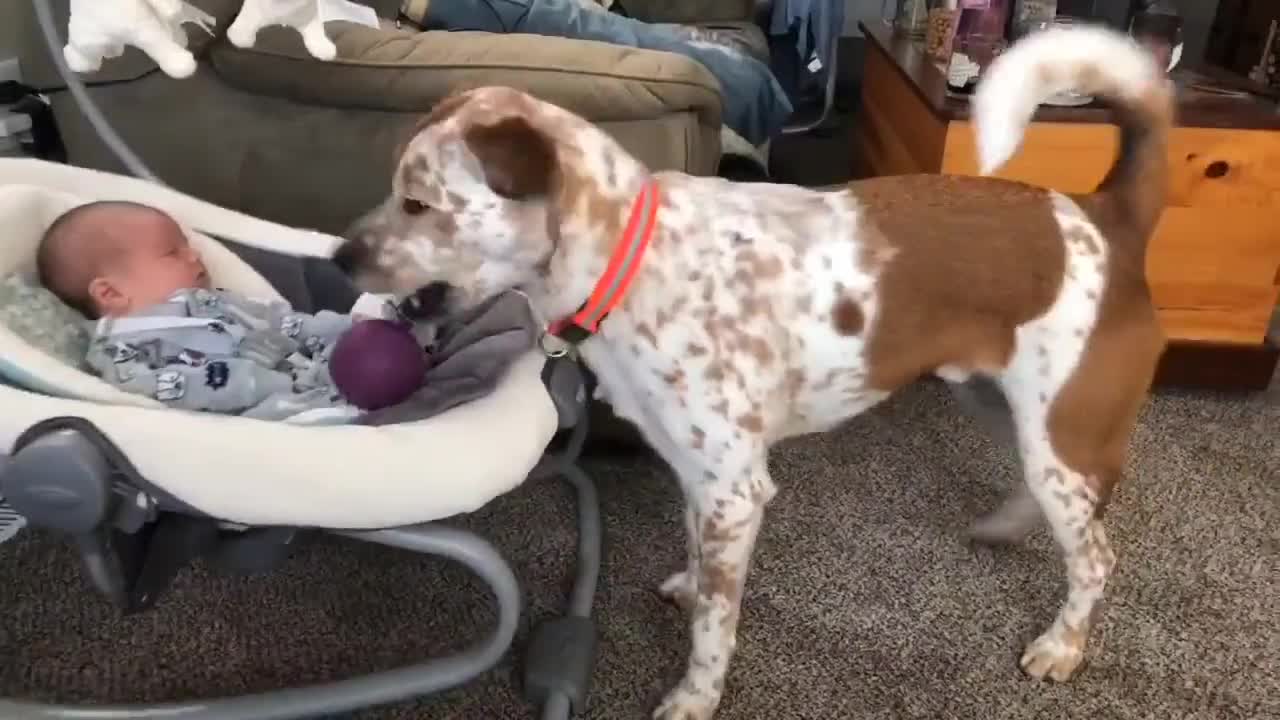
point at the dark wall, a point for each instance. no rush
(1197, 17)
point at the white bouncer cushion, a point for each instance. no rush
(252, 471)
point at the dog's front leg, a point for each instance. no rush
(725, 509)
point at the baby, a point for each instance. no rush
(163, 331)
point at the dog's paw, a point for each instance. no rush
(684, 704)
(680, 589)
(1051, 656)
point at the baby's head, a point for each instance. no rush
(113, 258)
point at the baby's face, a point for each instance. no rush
(156, 262)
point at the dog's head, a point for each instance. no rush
(484, 196)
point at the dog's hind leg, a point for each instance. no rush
(1074, 445)
(1069, 503)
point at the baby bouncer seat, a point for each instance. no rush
(141, 490)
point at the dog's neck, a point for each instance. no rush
(587, 222)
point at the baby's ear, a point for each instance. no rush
(518, 159)
(106, 297)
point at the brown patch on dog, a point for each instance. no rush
(847, 317)
(593, 203)
(1130, 199)
(1092, 417)
(939, 305)
(751, 422)
(413, 172)
(769, 268)
(646, 332)
(519, 161)
(760, 350)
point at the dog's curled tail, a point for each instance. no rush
(1091, 60)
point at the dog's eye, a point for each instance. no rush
(412, 207)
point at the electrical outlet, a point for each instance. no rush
(10, 69)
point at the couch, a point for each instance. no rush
(272, 132)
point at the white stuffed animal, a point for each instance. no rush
(306, 16)
(303, 15)
(101, 28)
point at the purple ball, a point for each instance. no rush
(377, 363)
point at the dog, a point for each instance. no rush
(721, 318)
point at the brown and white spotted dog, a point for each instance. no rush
(761, 312)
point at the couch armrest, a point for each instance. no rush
(402, 71)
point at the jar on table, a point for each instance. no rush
(942, 28)
(982, 18)
(910, 18)
(1032, 15)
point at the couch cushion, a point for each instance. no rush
(410, 71)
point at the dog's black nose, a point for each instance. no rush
(349, 256)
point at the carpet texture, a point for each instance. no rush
(864, 602)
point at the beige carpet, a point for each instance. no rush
(864, 601)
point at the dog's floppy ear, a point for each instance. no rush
(519, 160)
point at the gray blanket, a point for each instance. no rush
(472, 353)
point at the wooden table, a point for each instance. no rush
(1214, 261)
